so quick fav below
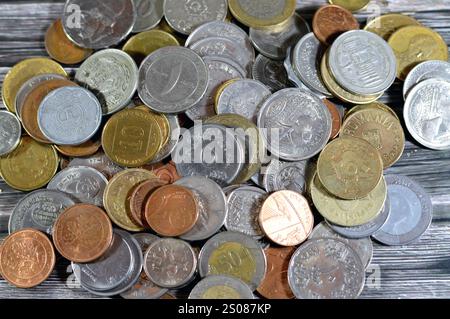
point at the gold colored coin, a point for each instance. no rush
(350, 168)
(262, 14)
(162, 121)
(22, 72)
(116, 197)
(351, 5)
(144, 43)
(415, 44)
(219, 92)
(30, 166)
(348, 213)
(387, 24)
(164, 26)
(132, 138)
(373, 105)
(221, 292)
(86, 149)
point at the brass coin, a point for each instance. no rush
(219, 92)
(164, 26)
(374, 105)
(162, 121)
(86, 149)
(351, 5)
(387, 24)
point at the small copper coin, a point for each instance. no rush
(336, 118)
(167, 172)
(27, 258)
(171, 211)
(82, 233)
(86, 149)
(331, 21)
(286, 218)
(275, 284)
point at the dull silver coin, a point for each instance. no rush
(148, 14)
(280, 175)
(426, 71)
(221, 287)
(271, 73)
(291, 74)
(167, 149)
(100, 162)
(10, 132)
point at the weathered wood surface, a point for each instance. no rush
(419, 270)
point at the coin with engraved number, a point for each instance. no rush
(100, 162)
(11, 132)
(385, 25)
(280, 175)
(221, 287)
(148, 14)
(270, 72)
(426, 71)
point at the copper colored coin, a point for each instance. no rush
(139, 198)
(331, 21)
(171, 210)
(167, 172)
(82, 233)
(27, 258)
(86, 149)
(336, 118)
(29, 111)
(286, 218)
(275, 284)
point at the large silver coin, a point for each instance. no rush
(39, 210)
(219, 254)
(100, 162)
(221, 287)
(97, 24)
(172, 80)
(84, 183)
(243, 97)
(212, 205)
(296, 124)
(167, 149)
(69, 115)
(326, 268)
(148, 14)
(271, 73)
(427, 113)
(425, 71)
(362, 62)
(280, 175)
(112, 75)
(10, 132)
(291, 74)
(410, 215)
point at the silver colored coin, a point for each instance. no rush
(233, 287)
(112, 75)
(326, 268)
(363, 246)
(251, 250)
(274, 44)
(280, 175)
(84, 183)
(10, 132)
(220, 70)
(172, 80)
(148, 14)
(39, 210)
(271, 73)
(244, 206)
(227, 190)
(69, 115)
(175, 129)
(411, 212)
(426, 71)
(100, 162)
(306, 56)
(243, 97)
(98, 24)
(186, 15)
(427, 113)
(211, 151)
(296, 124)
(257, 179)
(212, 204)
(362, 62)
(291, 74)
(170, 263)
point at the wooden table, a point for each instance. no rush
(420, 270)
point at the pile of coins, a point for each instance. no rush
(206, 170)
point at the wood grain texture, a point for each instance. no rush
(419, 270)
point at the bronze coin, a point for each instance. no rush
(171, 210)
(167, 172)
(330, 21)
(82, 233)
(27, 258)
(86, 149)
(336, 118)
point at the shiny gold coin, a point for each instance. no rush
(132, 138)
(22, 72)
(348, 212)
(164, 26)
(415, 44)
(30, 166)
(116, 197)
(144, 43)
(351, 5)
(349, 168)
(162, 121)
(387, 24)
(219, 92)
(86, 149)
(373, 105)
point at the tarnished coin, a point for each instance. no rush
(172, 80)
(387, 24)
(271, 73)
(112, 75)
(335, 116)
(296, 124)
(411, 212)
(221, 287)
(39, 210)
(170, 263)
(148, 14)
(100, 23)
(166, 172)
(351, 5)
(286, 218)
(10, 131)
(218, 257)
(100, 162)
(212, 206)
(27, 258)
(86, 149)
(184, 16)
(325, 269)
(280, 175)
(426, 71)
(84, 183)
(82, 233)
